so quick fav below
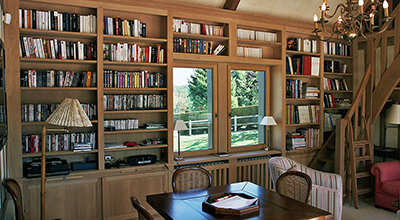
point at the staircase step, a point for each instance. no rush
(363, 174)
(327, 160)
(358, 144)
(331, 147)
(364, 191)
(363, 158)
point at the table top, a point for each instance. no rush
(188, 204)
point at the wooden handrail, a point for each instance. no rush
(360, 92)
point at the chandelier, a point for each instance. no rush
(352, 20)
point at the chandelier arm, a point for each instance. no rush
(334, 13)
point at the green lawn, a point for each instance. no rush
(200, 142)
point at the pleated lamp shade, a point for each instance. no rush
(69, 114)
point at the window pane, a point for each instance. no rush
(193, 105)
(247, 107)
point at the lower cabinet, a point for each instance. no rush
(101, 197)
(117, 191)
(65, 199)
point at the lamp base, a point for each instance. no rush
(179, 159)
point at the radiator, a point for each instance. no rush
(252, 169)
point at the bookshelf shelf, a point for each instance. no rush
(138, 147)
(58, 34)
(201, 37)
(338, 91)
(301, 99)
(332, 109)
(117, 63)
(303, 124)
(58, 88)
(106, 90)
(224, 58)
(61, 61)
(137, 111)
(303, 150)
(37, 123)
(294, 53)
(128, 39)
(338, 74)
(302, 76)
(58, 153)
(337, 56)
(258, 43)
(135, 131)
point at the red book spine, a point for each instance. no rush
(147, 54)
(32, 143)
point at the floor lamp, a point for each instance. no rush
(179, 126)
(268, 121)
(69, 114)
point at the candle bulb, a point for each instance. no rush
(315, 21)
(339, 22)
(361, 6)
(386, 8)
(323, 9)
(371, 19)
(372, 5)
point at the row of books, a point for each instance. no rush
(296, 88)
(249, 52)
(330, 120)
(303, 138)
(125, 52)
(335, 84)
(56, 142)
(299, 114)
(329, 101)
(304, 45)
(57, 21)
(40, 112)
(142, 79)
(134, 102)
(332, 66)
(121, 124)
(343, 102)
(192, 46)
(56, 49)
(257, 35)
(118, 26)
(333, 48)
(57, 78)
(302, 65)
(181, 26)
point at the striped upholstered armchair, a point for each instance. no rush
(326, 192)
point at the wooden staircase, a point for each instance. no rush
(351, 146)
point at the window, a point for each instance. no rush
(247, 107)
(193, 103)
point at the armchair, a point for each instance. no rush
(387, 183)
(327, 189)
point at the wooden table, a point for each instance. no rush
(188, 204)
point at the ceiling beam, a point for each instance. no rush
(231, 4)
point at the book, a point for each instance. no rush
(221, 154)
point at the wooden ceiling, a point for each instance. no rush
(299, 10)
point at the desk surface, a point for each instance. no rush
(188, 204)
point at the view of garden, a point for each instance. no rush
(193, 105)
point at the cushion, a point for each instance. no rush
(391, 187)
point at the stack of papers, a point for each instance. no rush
(234, 202)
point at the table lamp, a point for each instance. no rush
(68, 114)
(394, 115)
(268, 121)
(179, 126)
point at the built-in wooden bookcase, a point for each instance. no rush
(338, 67)
(301, 48)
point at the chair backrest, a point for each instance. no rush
(296, 185)
(190, 177)
(142, 212)
(14, 190)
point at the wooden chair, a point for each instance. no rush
(14, 190)
(191, 177)
(142, 212)
(296, 185)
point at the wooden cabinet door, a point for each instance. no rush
(65, 199)
(117, 191)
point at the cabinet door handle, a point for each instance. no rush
(216, 115)
(230, 114)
